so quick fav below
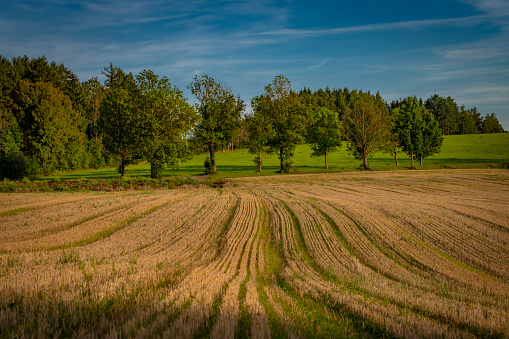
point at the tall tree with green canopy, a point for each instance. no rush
(259, 130)
(418, 131)
(324, 133)
(120, 119)
(366, 124)
(166, 118)
(219, 111)
(446, 112)
(282, 109)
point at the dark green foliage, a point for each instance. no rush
(334, 100)
(490, 124)
(208, 166)
(470, 121)
(446, 112)
(14, 166)
(418, 131)
(52, 130)
(43, 109)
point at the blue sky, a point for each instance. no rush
(399, 48)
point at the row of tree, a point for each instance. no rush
(50, 121)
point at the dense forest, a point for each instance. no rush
(51, 121)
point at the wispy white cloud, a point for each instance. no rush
(500, 7)
(319, 64)
(378, 27)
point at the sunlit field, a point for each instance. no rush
(404, 254)
(458, 151)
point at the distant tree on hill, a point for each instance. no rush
(470, 121)
(446, 112)
(490, 124)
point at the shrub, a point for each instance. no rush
(14, 166)
(156, 169)
(208, 166)
(287, 167)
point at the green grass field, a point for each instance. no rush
(458, 151)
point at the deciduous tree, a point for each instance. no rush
(418, 131)
(52, 132)
(120, 119)
(260, 131)
(324, 133)
(219, 111)
(166, 118)
(282, 109)
(366, 124)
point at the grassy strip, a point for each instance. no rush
(222, 239)
(86, 185)
(351, 250)
(17, 210)
(274, 264)
(366, 326)
(276, 328)
(244, 323)
(109, 231)
(206, 328)
(439, 317)
(451, 259)
(458, 151)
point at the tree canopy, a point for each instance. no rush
(324, 133)
(219, 111)
(366, 124)
(418, 131)
(51, 121)
(284, 115)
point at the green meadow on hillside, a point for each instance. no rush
(458, 151)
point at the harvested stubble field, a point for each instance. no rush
(399, 254)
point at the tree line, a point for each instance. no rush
(50, 121)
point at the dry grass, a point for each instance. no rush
(326, 255)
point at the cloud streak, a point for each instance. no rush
(379, 27)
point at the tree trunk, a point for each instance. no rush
(212, 159)
(152, 171)
(412, 156)
(259, 162)
(122, 167)
(365, 156)
(421, 161)
(281, 163)
(326, 164)
(396, 155)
